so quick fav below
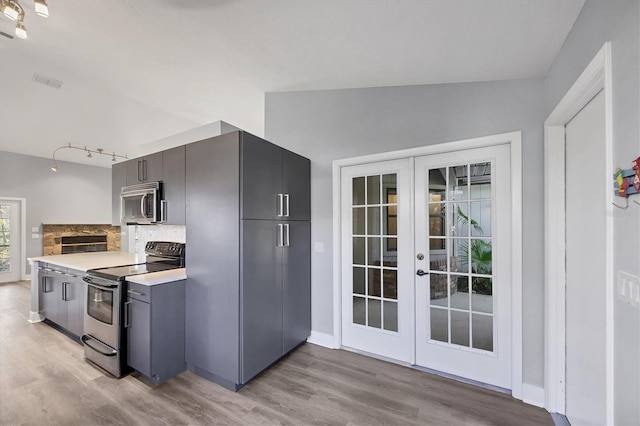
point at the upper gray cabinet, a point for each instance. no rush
(173, 180)
(118, 180)
(166, 166)
(296, 182)
(144, 169)
(275, 182)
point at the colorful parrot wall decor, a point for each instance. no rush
(627, 182)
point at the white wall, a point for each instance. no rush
(330, 125)
(75, 194)
(619, 22)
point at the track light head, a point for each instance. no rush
(21, 30)
(41, 8)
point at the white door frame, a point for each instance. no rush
(23, 233)
(514, 140)
(595, 78)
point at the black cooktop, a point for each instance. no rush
(160, 256)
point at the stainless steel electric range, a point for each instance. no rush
(104, 335)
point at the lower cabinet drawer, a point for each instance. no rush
(139, 292)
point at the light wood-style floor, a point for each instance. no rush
(44, 379)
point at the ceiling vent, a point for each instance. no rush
(51, 82)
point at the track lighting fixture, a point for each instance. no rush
(14, 11)
(89, 152)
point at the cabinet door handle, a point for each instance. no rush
(140, 178)
(286, 242)
(135, 293)
(127, 317)
(280, 237)
(163, 211)
(144, 170)
(44, 285)
(64, 291)
(280, 205)
(286, 197)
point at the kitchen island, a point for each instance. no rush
(80, 263)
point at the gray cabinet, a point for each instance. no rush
(73, 297)
(62, 297)
(296, 185)
(155, 324)
(275, 182)
(173, 179)
(144, 169)
(296, 290)
(118, 180)
(248, 294)
(261, 296)
(50, 293)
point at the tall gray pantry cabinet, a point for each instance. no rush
(248, 293)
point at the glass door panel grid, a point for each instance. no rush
(5, 238)
(460, 201)
(374, 251)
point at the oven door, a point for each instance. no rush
(102, 316)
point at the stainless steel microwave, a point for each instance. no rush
(142, 204)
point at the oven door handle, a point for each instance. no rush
(86, 339)
(89, 281)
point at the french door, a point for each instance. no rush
(377, 276)
(10, 262)
(463, 300)
(426, 262)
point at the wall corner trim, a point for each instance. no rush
(321, 339)
(533, 395)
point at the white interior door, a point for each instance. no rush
(462, 263)
(585, 266)
(377, 272)
(10, 241)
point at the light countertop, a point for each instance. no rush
(85, 261)
(161, 277)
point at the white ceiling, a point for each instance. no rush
(135, 71)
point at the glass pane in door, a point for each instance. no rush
(460, 219)
(5, 238)
(374, 210)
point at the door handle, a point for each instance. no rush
(163, 211)
(127, 317)
(286, 241)
(44, 285)
(280, 205)
(280, 236)
(143, 205)
(140, 178)
(286, 197)
(420, 273)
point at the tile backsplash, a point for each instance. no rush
(140, 234)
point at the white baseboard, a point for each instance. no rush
(533, 395)
(34, 317)
(321, 339)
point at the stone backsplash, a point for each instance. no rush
(52, 235)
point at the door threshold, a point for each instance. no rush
(431, 371)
